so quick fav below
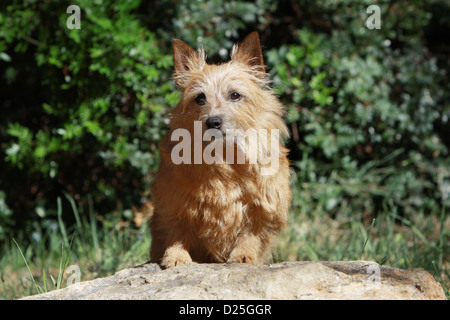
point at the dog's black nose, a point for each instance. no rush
(214, 122)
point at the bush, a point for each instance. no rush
(365, 106)
(95, 106)
(83, 110)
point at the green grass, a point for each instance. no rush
(419, 242)
(36, 263)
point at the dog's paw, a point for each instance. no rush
(241, 258)
(173, 260)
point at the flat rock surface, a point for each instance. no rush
(287, 280)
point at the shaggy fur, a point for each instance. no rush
(221, 212)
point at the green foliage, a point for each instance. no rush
(83, 110)
(215, 25)
(100, 98)
(364, 117)
(5, 216)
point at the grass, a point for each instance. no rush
(38, 263)
(419, 242)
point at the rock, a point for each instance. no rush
(287, 280)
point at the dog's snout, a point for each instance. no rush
(214, 122)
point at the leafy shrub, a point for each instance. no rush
(364, 106)
(95, 105)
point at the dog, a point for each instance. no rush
(221, 193)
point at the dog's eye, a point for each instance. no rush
(201, 99)
(235, 96)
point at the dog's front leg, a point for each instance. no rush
(176, 254)
(246, 250)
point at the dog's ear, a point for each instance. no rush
(183, 56)
(249, 52)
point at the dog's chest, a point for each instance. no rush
(219, 208)
(219, 223)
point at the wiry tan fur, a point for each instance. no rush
(220, 212)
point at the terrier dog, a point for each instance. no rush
(222, 193)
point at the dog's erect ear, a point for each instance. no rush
(183, 55)
(249, 51)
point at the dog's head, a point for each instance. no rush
(231, 102)
(232, 95)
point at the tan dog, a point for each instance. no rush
(225, 197)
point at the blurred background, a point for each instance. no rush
(83, 111)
